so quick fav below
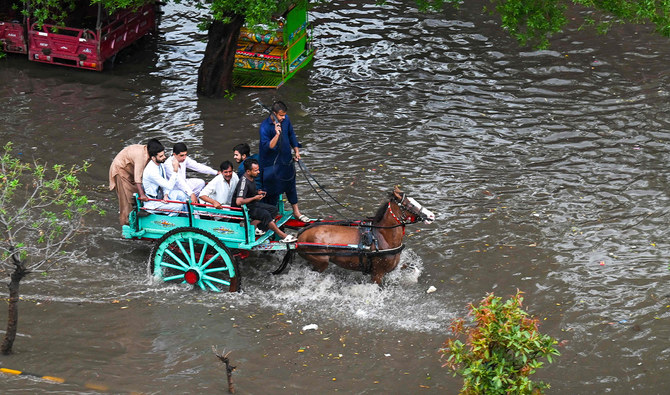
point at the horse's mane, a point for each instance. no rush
(381, 211)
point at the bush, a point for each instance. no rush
(501, 350)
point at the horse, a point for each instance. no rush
(371, 247)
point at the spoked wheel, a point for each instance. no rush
(193, 256)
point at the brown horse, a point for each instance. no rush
(371, 247)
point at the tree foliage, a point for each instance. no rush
(501, 351)
(531, 22)
(41, 209)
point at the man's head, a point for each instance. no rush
(280, 110)
(226, 168)
(180, 151)
(251, 167)
(241, 152)
(155, 146)
(156, 151)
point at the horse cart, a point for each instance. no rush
(201, 246)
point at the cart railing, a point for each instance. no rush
(232, 225)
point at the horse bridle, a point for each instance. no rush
(405, 212)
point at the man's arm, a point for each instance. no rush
(293, 140)
(199, 167)
(167, 185)
(268, 134)
(231, 190)
(275, 138)
(211, 201)
(140, 192)
(210, 189)
(169, 167)
(139, 164)
(240, 201)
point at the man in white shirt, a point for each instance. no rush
(158, 186)
(192, 186)
(219, 191)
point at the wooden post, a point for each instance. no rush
(223, 357)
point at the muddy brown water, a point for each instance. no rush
(546, 169)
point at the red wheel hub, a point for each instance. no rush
(191, 277)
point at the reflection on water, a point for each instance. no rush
(546, 170)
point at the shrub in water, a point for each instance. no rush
(502, 349)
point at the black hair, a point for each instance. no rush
(179, 148)
(279, 106)
(154, 147)
(225, 165)
(248, 163)
(153, 143)
(243, 149)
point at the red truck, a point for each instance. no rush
(12, 27)
(98, 37)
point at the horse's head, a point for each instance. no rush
(414, 212)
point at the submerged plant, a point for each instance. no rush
(501, 351)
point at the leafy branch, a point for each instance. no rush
(41, 209)
(501, 351)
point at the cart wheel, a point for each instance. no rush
(193, 256)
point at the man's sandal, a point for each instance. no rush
(304, 218)
(289, 239)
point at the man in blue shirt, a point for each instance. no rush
(240, 153)
(278, 146)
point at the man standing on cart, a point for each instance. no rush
(278, 146)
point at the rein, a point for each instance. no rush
(308, 175)
(394, 217)
(400, 221)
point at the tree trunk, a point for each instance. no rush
(13, 309)
(215, 77)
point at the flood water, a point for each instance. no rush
(546, 169)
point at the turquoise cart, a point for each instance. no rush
(200, 246)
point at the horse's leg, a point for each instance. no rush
(319, 263)
(377, 276)
(382, 266)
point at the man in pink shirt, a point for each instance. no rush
(125, 175)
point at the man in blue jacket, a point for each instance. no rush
(278, 147)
